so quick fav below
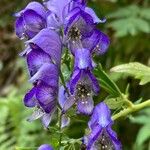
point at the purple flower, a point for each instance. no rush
(30, 20)
(44, 93)
(79, 24)
(83, 86)
(86, 76)
(45, 147)
(97, 43)
(101, 136)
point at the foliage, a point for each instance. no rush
(14, 128)
(143, 134)
(136, 70)
(107, 83)
(130, 20)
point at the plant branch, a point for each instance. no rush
(130, 110)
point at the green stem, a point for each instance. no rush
(127, 102)
(60, 132)
(60, 114)
(63, 82)
(132, 109)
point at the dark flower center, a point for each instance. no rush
(74, 34)
(83, 90)
(104, 142)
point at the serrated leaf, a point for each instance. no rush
(107, 83)
(145, 13)
(123, 27)
(131, 25)
(143, 134)
(128, 11)
(141, 25)
(114, 103)
(130, 20)
(135, 69)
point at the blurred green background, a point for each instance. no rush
(128, 26)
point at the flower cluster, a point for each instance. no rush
(83, 40)
(43, 57)
(48, 30)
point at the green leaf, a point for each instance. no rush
(145, 13)
(122, 27)
(107, 83)
(131, 25)
(128, 11)
(135, 69)
(66, 72)
(143, 134)
(141, 25)
(130, 20)
(114, 103)
(142, 117)
(14, 129)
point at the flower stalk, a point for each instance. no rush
(130, 110)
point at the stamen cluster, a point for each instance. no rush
(74, 34)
